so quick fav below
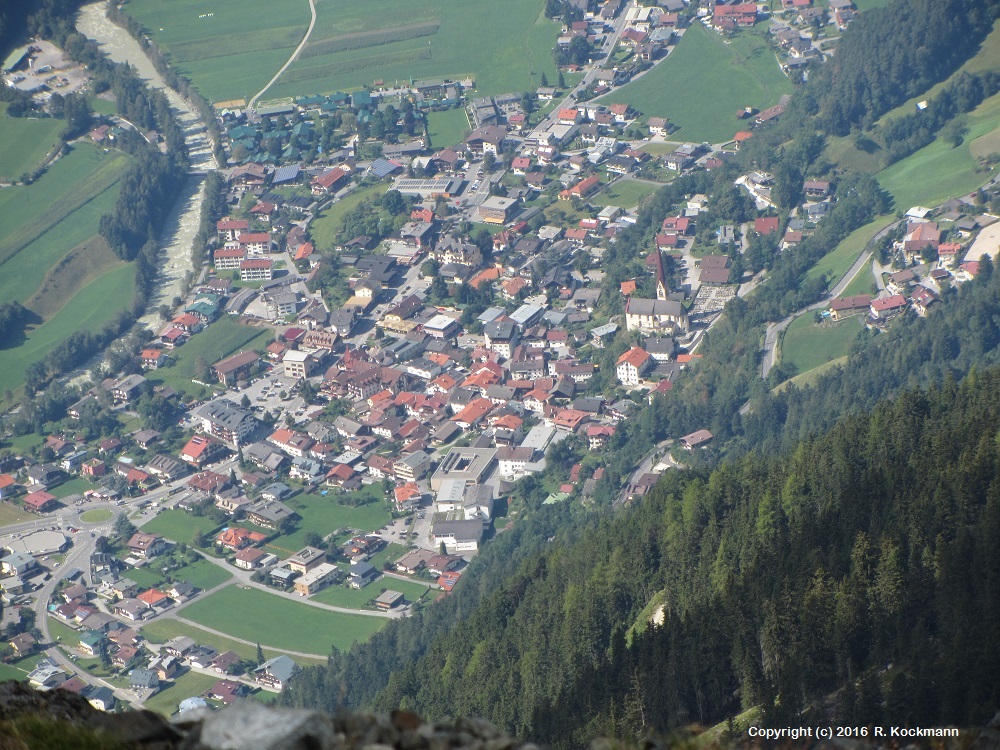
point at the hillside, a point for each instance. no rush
(790, 583)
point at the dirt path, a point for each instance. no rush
(290, 60)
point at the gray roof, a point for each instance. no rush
(280, 667)
(223, 413)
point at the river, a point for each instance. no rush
(178, 235)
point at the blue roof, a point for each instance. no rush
(383, 168)
(285, 174)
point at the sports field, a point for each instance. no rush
(447, 127)
(26, 141)
(274, 621)
(808, 345)
(702, 84)
(229, 48)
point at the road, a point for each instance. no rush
(774, 330)
(644, 467)
(290, 60)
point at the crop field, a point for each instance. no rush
(808, 345)
(624, 193)
(26, 142)
(504, 46)
(269, 617)
(219, 340)
(229, 48)
(447, 127)
(700, 86)
(839, 260)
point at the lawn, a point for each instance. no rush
(187, 685)
(11, 514)
(72, 487)
(702, 84)
(229, 48)
(327, 225)
(202, 574)
(162, 631)
(325, 515)
(862, 283)
(97, 515)
(224, 337)
(260, 617)
(838, 261)
(624, 193)
(179, 525)
(807, 344)
(89, 310)
(809, 378)
(447, 127)
(503, 46)
(18, 670)
(26, 141)
(342, 596)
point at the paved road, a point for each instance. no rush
(643, 468)
(773, 335)
(290, 60)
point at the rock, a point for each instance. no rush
(251, 726)
(405, 720)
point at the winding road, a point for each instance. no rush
(305, 40)
(774, 330)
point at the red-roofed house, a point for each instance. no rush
(888, 306)
(40, 501)
(327, 182)
(766, 225)
(632, 365)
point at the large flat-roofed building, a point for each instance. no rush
(428, 189)
(497, 209)
(298, 364)
(470, 465)
(457, 534)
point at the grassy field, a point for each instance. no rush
(89, 309)
(624, 193)
(162, 631)
(702, 84)
(10, 514)
(328, 223)
(447, 127)
(231, 53)
(98, 515)
(280, 623)
(861, 283)
(75, 486)
(26, 142)
(202, 574)
(839, 260)
(808, 345)
(342, 596)
(179, 525)
(51, 258)
(808, 378)
(18, 670)
(187, 685)
(325, 515)
(503, 46)
(940, 170)
(216, 342)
